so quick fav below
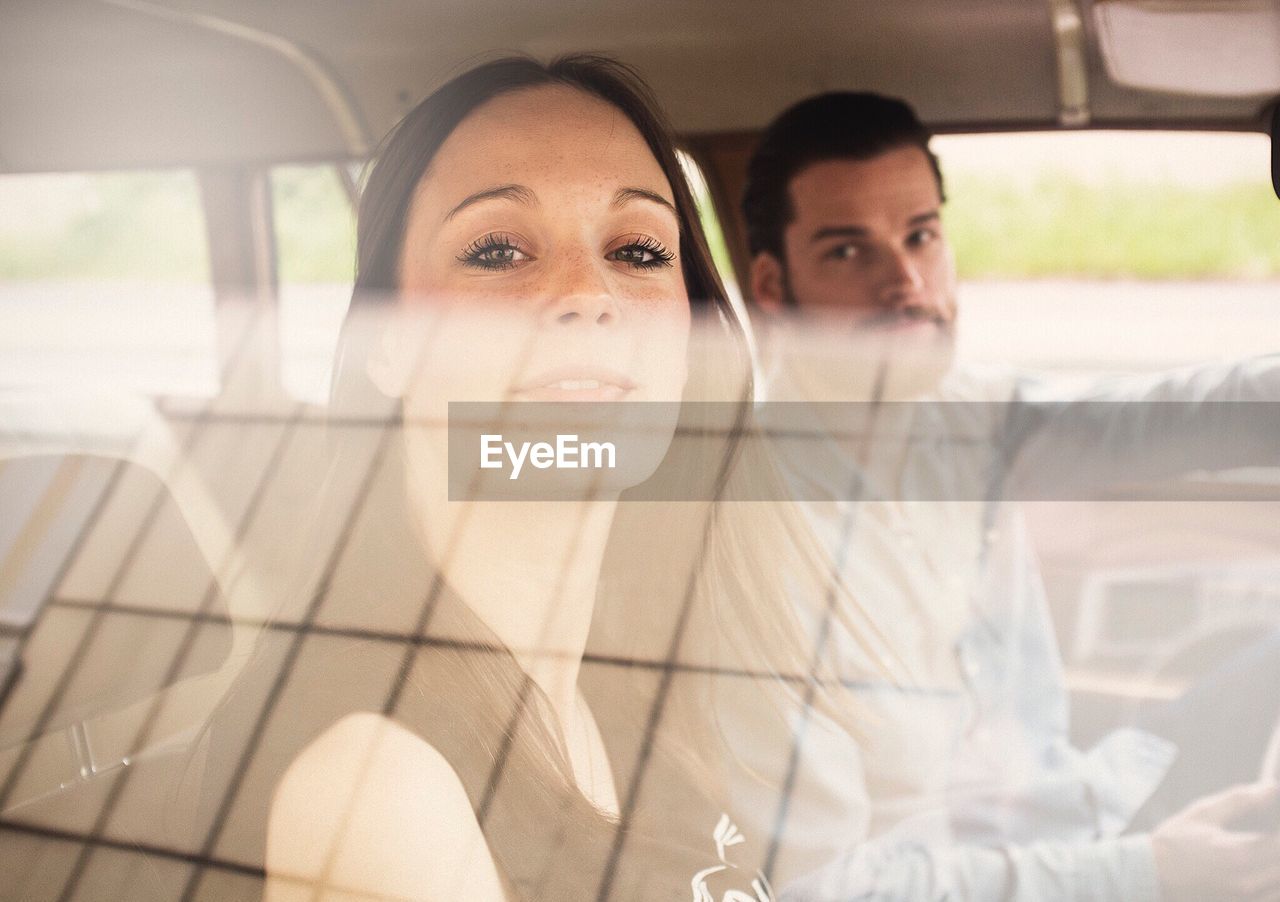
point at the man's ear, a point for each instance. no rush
(768, 289)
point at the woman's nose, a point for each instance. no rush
(582, 295)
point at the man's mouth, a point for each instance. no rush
(903, 322)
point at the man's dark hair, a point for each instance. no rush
(841, 125)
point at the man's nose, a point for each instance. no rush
(581, 294)
(902, 281)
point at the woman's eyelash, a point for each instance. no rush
(497, 251)
(493, 251)
(643, 253)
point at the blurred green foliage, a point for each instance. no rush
(1059, 226)
(315, 225)
(148, 226)
(144, 226)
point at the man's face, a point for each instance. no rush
(866, 246)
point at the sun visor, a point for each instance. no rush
(1225, 48)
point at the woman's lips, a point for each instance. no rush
(576, 383)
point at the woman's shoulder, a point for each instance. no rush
(371, 808)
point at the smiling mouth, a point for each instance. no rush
(581, 384)
(577, 384)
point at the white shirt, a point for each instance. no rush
(975, 791)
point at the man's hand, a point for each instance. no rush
(1199, 855)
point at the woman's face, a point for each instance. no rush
(541, 260)
(544, 244)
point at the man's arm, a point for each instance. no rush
(1142, 428)
(893, 868)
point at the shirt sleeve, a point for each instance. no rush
(1116, 870)
(1134, 428)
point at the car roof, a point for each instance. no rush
(94, 84)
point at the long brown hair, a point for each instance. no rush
(713, 595)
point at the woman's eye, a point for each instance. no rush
(646, 254)
(492, 252)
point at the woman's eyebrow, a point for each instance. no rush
(629, 194)
(517, 193)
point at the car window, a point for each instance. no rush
(711, 225)
(314, 221)
(116, 262)
(1086, 251)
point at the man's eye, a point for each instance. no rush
(646, 254)
(492, 252)
(843, 252)
(921, 237)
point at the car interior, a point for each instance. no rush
(144, 421)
